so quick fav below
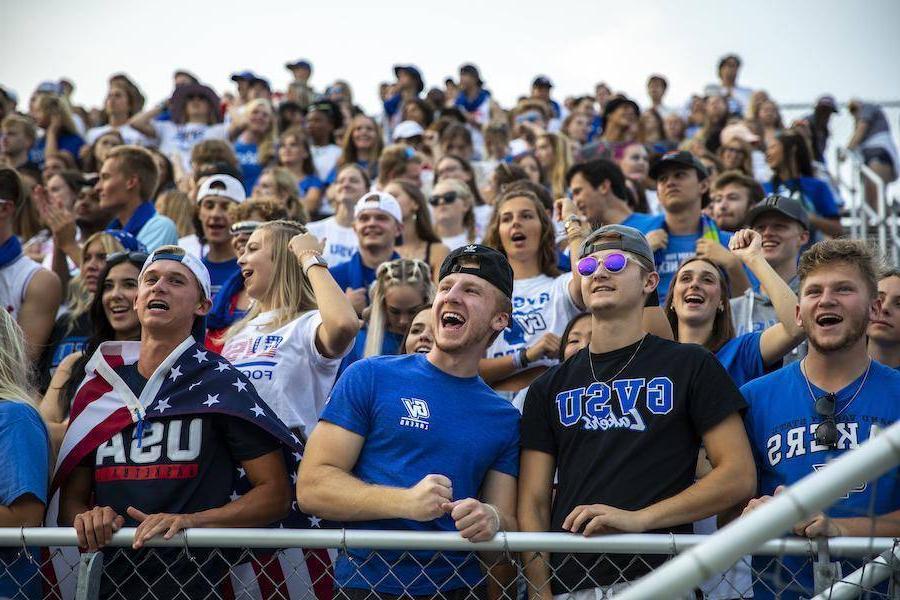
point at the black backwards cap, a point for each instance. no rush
(487, 263)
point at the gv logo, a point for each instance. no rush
(417, 413)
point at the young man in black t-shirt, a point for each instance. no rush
(175, 466)
(622, 422)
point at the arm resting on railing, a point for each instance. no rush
(535, 491)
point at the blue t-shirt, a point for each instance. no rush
(69, 142)
(354, 274)
(742, 359)
(25, 446)
(248, 158)
(813, 193)
(390, 344)
(417, 420)
(679, 247)
(781, 421)
(219, 273)
(309, 182)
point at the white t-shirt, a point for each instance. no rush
(191, 244)
(325, 159)
(285, 367)
(181, 139)
(14, 280)
(131, 135)
(483, 216)
(458, 241)
(340, 242)
(541, 305)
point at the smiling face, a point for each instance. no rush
(120, 290)
(697, 293)
(260, 119)
(213, 215)
(292, 151)
(729, 206)
(885, 327)
(363, 133)
(617, 292)
(782, 238)
(375, 229)
(350, 186)
(519, 226)
(835, 307)
(635, 162)
(257, 265)
(452, 213)
(579, 337)
(420, 339)
(466, 313)
(169, 298)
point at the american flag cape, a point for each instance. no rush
(192, 381)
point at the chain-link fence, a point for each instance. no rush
(349, 564)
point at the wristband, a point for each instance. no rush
(517, 360)
(523, 357)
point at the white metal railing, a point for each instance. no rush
(869, 575)
(743, 536)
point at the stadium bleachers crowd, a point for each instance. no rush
(592, 315)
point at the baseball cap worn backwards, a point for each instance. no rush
(194, 265)
(480, 261)
(782, 205)
(619, 237)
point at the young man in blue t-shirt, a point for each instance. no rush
(127, 182)
(215, 196)
(811, 412)
(884, 329)
(421, 443)
(683, 230)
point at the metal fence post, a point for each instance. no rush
(90, 569)
(825, 572)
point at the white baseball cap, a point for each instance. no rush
(190, 261)
(379, 201)
(222, 185)
(407, 129)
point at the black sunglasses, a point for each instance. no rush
(826, 432)
(137, 258)
(438, 199)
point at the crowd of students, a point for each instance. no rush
(588, 317)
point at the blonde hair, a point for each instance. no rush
(14, 384)
(51, 105)
(266, 148)
(401, 271)
(562, 160)
(78, 299)
(289, 292)
(286, 183)
(176, 205)
(463, 191)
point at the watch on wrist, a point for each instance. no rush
(312, 259)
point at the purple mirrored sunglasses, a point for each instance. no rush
(614, 262)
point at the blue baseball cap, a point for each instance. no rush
(243, 76)
(300, 63)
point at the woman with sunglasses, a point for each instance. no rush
(299, 327)
(295, 155)
(112, 317)
(401, 287)
(452, 207)
(452, 166)
(420, 242)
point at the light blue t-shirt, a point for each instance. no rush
(742, 358)
(418, 420)
(25, 446)
(781, 421)
(158, 231)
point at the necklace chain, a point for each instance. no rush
(855, 394)
(619, 372)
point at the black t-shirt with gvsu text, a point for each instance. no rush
(626, 443)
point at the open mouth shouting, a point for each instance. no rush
(828, 321)
(694, 300)
(452, 321)
(157, 306)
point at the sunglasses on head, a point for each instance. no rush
(614, 262)
(826, 432)
(137, 258)
(438, 199)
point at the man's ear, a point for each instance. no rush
(797, 320)
(203, 308)
(704, 185)
(652, 282)
(500, 321)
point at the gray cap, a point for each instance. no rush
(787, 207)
(619, 237)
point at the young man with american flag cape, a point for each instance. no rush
(165, 435)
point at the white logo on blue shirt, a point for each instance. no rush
(418, 413)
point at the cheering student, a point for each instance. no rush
(622, 422)
(166, 455)
(126, 185)
(811, 412)
(300, 326)
(295, 155)
(362, 146)
(452, 166)
(453, 208)
(25, 471)
(443, 459)
(420, 242)
(112, 318)
(216, 195)
(884, 329)
(336, 231)
(419, 339)
(698, 309)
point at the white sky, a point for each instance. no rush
(795, 49)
